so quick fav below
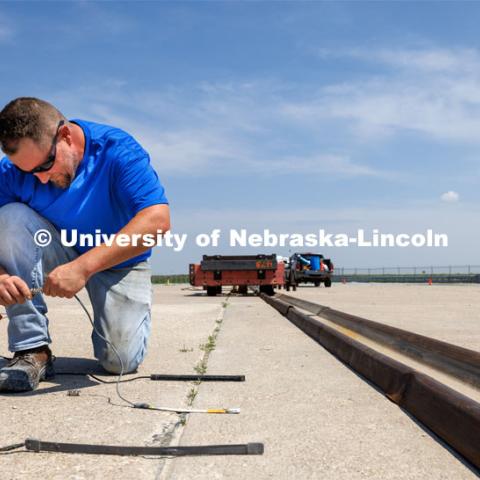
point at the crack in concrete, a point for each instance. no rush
(172, 432)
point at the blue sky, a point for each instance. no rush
(291, 116)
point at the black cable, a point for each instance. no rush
(112, 346)
(98, 379)
(119, 380)
(13, 446)
(167, 377)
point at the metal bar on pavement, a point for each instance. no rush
(180, 451)
(198, 378)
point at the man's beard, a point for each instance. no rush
(62, 180)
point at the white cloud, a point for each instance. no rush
(224, 129)
(454, 60)
(195, 152)
(340, 165)
(433, 92)
(450, 196)
(200, 152)
(255, 126)
(437, 108)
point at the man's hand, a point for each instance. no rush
(65, 281)
(13, 290)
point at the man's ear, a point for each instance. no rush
(65, 133)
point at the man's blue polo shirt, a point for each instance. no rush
(114, 181)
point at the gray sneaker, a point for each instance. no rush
(26, 369)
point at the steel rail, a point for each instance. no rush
(459, 362)
(454, 417)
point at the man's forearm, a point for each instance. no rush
(147, 221)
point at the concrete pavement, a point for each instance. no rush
(446, 312)
(317, 418)
(180, 326)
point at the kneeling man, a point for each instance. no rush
(82, 177)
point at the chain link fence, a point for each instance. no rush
(427, 270)
(420, 274)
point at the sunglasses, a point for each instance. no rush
(49, 162)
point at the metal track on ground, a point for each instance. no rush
(451, 415)
(459, 362)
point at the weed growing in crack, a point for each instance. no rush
(211, 343)
(209, 346)
(201, 368)
(191, 396)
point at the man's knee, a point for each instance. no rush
(119, 362)
(15, 219)
(12, 213)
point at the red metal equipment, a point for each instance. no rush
(241, 271)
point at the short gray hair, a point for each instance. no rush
(27, 117)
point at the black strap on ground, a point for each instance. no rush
(181, 451)
(198, 378)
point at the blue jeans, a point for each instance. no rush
(121, 298)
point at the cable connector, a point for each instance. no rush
(186, 410)
(233, 410)
(14, 446)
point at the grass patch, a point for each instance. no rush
(207, 347)
(201, 367)
(211, 343)
(191, 396)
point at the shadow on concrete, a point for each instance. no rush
(71, 373)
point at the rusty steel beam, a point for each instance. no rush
(457, 361)
(452, 416)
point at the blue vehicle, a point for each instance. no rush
(308, 268)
